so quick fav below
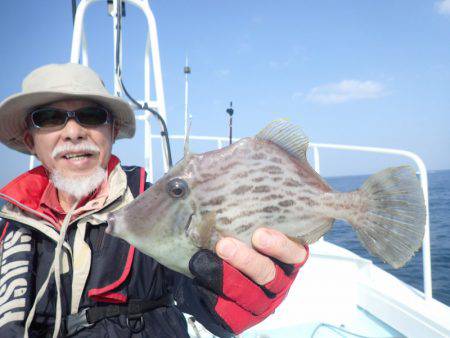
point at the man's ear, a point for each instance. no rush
(29, 142)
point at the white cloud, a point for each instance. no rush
(297, 95)
(346, 90)
(443, 7)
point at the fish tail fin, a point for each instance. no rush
(391, 222)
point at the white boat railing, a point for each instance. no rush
(426, 261)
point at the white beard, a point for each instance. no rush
(80, 186)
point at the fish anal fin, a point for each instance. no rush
(297, 240)
(312, 236)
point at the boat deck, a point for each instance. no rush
(340, 294)
(362, 324)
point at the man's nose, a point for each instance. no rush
(73, 131)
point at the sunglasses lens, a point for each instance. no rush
(47, 118)
(92, 116)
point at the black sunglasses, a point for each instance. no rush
(54, 117)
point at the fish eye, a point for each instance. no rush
(177, 188)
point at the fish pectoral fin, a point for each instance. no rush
(202, 233)
(287, 136)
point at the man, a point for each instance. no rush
(66, 117)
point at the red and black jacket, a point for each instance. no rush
(118, 274)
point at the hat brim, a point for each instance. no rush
(14, 109)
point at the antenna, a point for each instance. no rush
(230, 112)
(187, 71)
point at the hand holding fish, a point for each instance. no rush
(246, 286)
(256, 264)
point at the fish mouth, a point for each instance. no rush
(186, 227)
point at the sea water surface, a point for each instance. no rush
(411, 273)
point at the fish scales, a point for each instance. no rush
(254, 197)
(266, 181)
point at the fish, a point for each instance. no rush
(266, 181)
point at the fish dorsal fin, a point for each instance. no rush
(287, 136)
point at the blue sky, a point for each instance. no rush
(371, 73)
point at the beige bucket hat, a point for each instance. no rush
(56, 82)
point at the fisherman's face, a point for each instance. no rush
(61, 149)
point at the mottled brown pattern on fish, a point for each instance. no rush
(229, 166)
(243, 228)
(272, 169)
(259, 185)
(214, 188)
(261, 189)
(205, 178)
(224, 220)
(286, 203)
(271, 209)
(246, 213)
(258, 156)
(345, 206)
(271, 197)
(242, 189)
(232, 205)
(308, 201)
(275, 160)
(214, 201)
(291, 183)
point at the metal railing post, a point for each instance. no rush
(79, 42)
(316, 159)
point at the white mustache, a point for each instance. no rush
(80, 147)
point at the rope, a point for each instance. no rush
(55, 269)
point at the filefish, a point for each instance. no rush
(266, 181)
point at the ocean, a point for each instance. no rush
(411, 273)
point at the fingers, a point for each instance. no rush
(254, 265)
(275, 244)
